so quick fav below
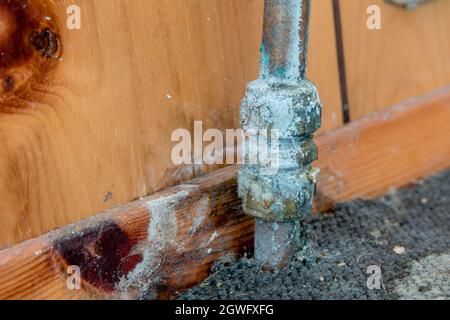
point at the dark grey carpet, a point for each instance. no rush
(345, 243)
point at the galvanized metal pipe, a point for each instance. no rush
(281, 99)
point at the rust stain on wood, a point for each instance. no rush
(104, 254)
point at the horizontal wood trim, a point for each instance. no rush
(167, 242)
(385, 150)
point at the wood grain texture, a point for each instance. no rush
(156, 245)
(385, 150)
(408, 57)
(181, 231)
(322, 63)
(92, 130)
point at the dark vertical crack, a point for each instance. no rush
(341, 61)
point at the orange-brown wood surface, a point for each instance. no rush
(322, 63)
(156, 245)
(178, 233)
(407, 57)
(385, 150)
(86, 115)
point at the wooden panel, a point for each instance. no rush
(100, 136)
(408, 57)
(322, 63)
(91, 130)
(186, 228)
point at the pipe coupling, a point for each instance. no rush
(281, 190)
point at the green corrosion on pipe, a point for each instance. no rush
(285, 39)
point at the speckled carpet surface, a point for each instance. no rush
(394, 247)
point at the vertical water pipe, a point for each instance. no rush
(285, 111)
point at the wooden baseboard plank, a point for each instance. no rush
(158, 245)
(385, 150)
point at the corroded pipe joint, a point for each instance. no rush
(294, 109)
(281, 199)
(282, 100)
